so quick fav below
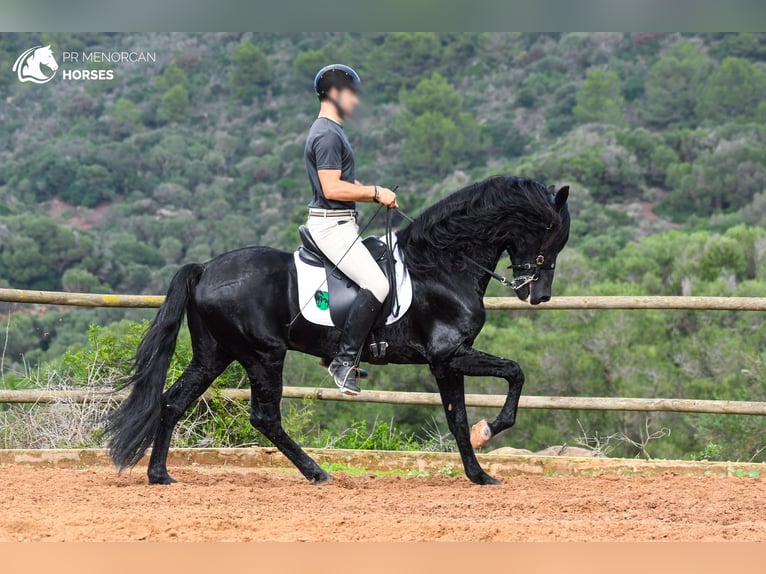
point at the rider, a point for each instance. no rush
(332, 214)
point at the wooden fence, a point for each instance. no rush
(491, 303)
(33, 396)
(413, 398)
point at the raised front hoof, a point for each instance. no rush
(321, 479)
(161, 479)
(485, 480)
(480, 434)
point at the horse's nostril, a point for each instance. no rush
(545, 298)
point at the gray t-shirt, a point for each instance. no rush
(327, 147)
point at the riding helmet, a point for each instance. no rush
(337, 75)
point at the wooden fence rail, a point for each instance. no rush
(32, 396)
(491, 303)
(411, 398)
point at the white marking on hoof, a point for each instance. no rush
(480, 434)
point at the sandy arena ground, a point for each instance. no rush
(246, 504)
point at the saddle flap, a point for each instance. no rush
(321, 297)
(341, 290)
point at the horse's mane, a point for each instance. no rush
(488, 214)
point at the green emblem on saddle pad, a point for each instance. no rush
(322, 299)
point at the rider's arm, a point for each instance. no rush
(334, 188)
(328, 153)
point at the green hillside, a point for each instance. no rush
(109, 186)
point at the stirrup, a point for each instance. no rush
(347, 385)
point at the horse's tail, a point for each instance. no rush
(134, 424)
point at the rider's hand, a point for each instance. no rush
(387, 197)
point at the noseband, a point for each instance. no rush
(533, 272)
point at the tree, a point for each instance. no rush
(81, 281)
(673, 86)
(308, 63)
(49, 172)
(93, 184)
(171, 249)
(433, 146)
(433, 94)
(171, 76)
(733, 91)
(125, 111)
(174, 106)
(436, 127)
(36, 251)
(401, 60)
(251, 72)
(125, 117)
(599, 98)
(745, 45)
(722, 180)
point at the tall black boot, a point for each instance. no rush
(361, 317)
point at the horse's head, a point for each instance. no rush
(533, 256)
(44, 55)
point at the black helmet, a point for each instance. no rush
(336, 75)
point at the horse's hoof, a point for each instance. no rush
(162, 479)
(486, 480)
(321, 479)
(480, 434)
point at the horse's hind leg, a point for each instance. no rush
(188, 388)
(265, 373)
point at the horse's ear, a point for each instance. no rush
(561, 197)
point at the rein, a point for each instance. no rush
(391, 264)
(517, 282)
(522, 280)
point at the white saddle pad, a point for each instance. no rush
(312, 279)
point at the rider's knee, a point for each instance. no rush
(379, 289)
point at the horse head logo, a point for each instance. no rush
(27, 66)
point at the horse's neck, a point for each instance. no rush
(474, 275)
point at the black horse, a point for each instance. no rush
(239, 307)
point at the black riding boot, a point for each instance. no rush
(361, 317)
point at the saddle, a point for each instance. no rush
(340, 290)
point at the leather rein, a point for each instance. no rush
(532, 268)
(522, 280)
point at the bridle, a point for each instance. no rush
(532, 268)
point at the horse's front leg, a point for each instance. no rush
(452, 391)
(474, 363)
